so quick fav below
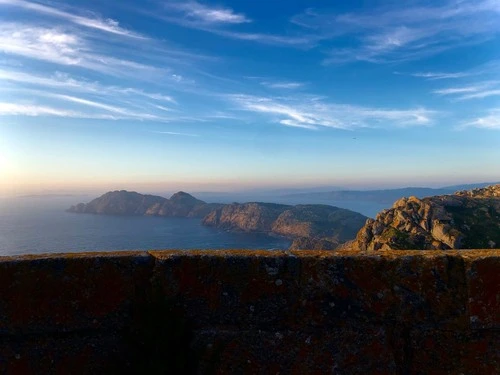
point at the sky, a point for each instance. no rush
(228, 95)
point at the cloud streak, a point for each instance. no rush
(107, 25)
(221, 22)
(477, 90)
(175, 133)
(313, 113)
(35, 110)
(196, 12)
(283, 85)
(64, 81)
(490, 121)
(396, 33)
(57, 46)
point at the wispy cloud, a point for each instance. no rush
(221, 21)
(89, 103)
(441, 75)
(283, 85)
(65, 81)
(194, 11)
(481, 94)
(490, 67)
(490, 121)
(312, 113)
(107, 25)
(477, 90)
(455, 90)
(300, 41)
(61, 47)
(175, 133)
(35, 110)
(400, 32)
(57, 108)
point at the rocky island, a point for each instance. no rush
(463, 220)
(323, 224)
(122, 202)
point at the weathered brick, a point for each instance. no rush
(251, 312)
(81, 353)
(454, 352)
(411, 287)
(229, 288)
(483, 282)
(351, 350)
(72, 291)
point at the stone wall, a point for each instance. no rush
(238, 312)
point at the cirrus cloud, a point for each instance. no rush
(312, 113)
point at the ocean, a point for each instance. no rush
(34, 225)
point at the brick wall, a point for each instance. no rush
(269, 312)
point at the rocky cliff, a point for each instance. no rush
(131, 203)
(309, 221)
(464, 220)
(246, 217)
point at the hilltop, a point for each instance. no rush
(122, 202)
(463, 220)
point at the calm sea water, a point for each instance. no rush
(40, 225)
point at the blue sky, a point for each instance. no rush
(229, 95)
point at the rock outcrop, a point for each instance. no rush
(245, 217)
(464, 220)
(308, 221)
(131, 203)
(318, 221)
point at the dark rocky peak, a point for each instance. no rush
(185, 198)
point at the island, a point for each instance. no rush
(327, 224)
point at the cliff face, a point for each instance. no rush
(464, 220)
(131, 203)
(316, 221)
(246, 217)
(312, 221)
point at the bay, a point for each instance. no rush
(33, 225)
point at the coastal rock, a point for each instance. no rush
(308, 221)
(464, 220)
(318, 221)
(246, 217)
